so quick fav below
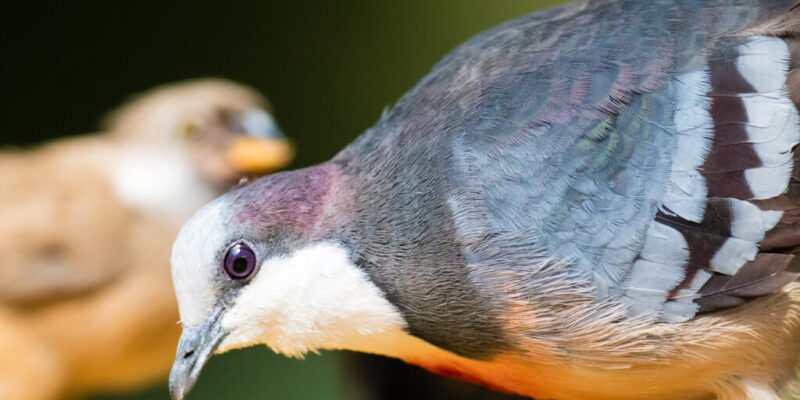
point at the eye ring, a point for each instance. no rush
(240, 261)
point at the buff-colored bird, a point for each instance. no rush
(86, 301)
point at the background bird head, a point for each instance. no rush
(187, 142)
(224, 128)
(126, 191)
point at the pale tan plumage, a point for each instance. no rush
(86, 300)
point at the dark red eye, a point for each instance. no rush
(240, 261)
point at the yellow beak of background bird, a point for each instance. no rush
(252, 154)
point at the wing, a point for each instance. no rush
(647, 143)
(63, 231)
(658, 191)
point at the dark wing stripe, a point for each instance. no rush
(793, 43)
(774, 137)
(766, 274)
(793, 82)
(725, 77)
(728, 158)
(729, 184)
(793, 79)
(748, 159)
(724, 167)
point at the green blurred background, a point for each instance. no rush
(329, 68)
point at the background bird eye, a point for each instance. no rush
(190, 131)
(190, 127)
(240, 262)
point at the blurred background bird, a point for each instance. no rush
(86, 301)
(329, 81)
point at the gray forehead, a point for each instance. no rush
(199, 247)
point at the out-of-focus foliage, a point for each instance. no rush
(329, 68)
(257, 373)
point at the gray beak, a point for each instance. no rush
(196, 346)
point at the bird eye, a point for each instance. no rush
(190, 127)
(240, 261)
(190, 131)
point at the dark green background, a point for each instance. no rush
(329, 68)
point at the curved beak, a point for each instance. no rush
(196, 346)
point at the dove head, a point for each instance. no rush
(265, 264)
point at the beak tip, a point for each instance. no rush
(195, 346)
(176, 389)
(183, 376)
